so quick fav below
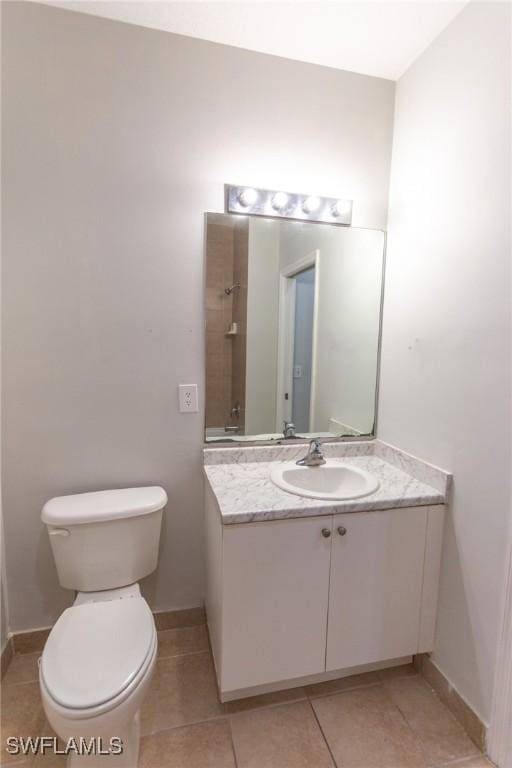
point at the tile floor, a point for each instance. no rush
(391, 719)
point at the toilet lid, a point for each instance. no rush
(95, 651)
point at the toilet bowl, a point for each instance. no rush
(94, 673)
(99, 658)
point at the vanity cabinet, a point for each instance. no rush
(375, 586)
(296, 600)
(275, 599)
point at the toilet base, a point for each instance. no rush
(128, 758)
(110, 725)
(121, 722)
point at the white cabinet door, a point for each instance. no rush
(275, 594)
(376, 586)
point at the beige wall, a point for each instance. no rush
(220, 245)
(116, 140)
(262, 317)
(226, 266)
(4, 618)
(239, 341)
(445, 375)
(4, 611)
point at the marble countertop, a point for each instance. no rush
(245, 493)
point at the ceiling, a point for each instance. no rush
(377, 38)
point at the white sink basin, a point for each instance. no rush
(332, 480)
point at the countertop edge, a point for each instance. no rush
(347, 508)
(295, 514)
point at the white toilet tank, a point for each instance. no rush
(105, 539)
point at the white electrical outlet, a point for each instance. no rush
(188, 398)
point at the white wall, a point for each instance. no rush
(116, 140)
(303, 347)
(349, 299)
(4, 612)
(445, 378)
(349, 280)
(262, 323)
(349, 295)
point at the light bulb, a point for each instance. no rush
(247, 197)
(311, 204)
(279, 201)
(341, 208)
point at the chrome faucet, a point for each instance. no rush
(288, 429)
(314, 457)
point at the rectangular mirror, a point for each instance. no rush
(293, 316)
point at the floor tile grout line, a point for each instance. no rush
(22, 682)
(326, 695)
(179, 655)
(404, 676)
(380, 681)
(159, 658)
(457, 761)
(416, 738)
(182, 626)
(335, 764)
(456, 721)
(173, 629)
(448, 712)
(329, 695)
(212, 719)
(227, 715)
(40, 650)
(272, 705)
(171, 729)
(462, 761)
(232, 742)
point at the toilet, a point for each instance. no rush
(99, 658)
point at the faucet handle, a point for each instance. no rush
(314, 456)
(288, 428)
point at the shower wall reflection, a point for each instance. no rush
(226, 322)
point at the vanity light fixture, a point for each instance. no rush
(341, 207)
(280, 201)
(247, 196)
(311, 204)
(288, 205)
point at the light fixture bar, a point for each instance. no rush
(288, 205)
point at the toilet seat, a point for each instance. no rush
(97, 653)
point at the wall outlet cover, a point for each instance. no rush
(188, 398)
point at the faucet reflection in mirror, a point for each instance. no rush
(293, 312)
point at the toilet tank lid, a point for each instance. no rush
(101, 506)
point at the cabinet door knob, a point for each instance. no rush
(342, 530)
(326, 533)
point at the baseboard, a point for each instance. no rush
(321, 677)
(33, 640)
(185, 617)
(470, 721)
(7, 655)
